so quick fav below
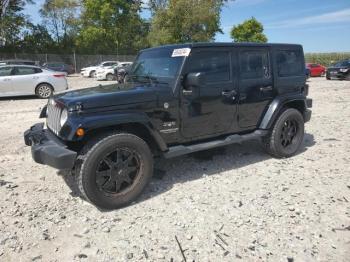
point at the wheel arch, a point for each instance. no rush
(142, 130)
(46, 83)
(278, 104)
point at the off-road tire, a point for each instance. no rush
(44, 91)
(272, 142)
(90, 157)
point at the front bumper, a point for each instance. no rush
(100, 77)
(47, 149)
(337, 75)
(85, 73)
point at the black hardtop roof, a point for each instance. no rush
(222, 44)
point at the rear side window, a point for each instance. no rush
(254, 65)
(215, 65)
(5, 71)
(290, 63)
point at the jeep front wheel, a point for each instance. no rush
(115, 170)
(286, 135)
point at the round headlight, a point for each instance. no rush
(64, 117)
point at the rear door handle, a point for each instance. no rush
(187, 92)
(265, 88)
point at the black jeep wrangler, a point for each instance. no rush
(178, 99)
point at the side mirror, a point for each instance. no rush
(194, 80)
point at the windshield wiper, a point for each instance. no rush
(151, 79)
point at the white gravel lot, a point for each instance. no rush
(241, 205)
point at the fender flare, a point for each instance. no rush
(91, 122)
(277, 104)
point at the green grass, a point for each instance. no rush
(326, 59)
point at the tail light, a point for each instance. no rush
(59, 75)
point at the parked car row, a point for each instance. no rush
(340, 70)
(55, 66)
(115, 72)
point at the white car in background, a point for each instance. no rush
(91, 70)
(109, 73)
(19, 80)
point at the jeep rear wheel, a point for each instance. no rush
(286, 135)
(115, 170)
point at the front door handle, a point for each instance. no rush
(265, 88)
(229, 93)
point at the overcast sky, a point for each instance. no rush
(319, 25)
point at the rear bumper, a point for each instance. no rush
(337, 75)
(47, 149)
(307, 113)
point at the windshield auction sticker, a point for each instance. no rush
(181, 52)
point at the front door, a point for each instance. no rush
(255, 85)
(24, 79)
(211, 108)
(5, 81)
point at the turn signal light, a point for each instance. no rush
(80, 132)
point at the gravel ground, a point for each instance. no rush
(239, 204)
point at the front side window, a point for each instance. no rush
(254, 65)
(290, 63)
(215, 65)
(342, 64)
(5, 71)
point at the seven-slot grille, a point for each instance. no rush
(53, 116)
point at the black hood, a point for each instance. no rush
(108, 95)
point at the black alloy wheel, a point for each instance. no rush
(117, 171)
(289, 131)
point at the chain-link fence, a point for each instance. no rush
(77, 61)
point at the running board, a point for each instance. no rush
(175, 151)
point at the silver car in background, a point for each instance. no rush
(19, 80)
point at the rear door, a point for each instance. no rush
(211, 108)
(255, 85)
(5, 81)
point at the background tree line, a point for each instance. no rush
(115, 26)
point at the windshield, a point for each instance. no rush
(158, 65)
(342, 63)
